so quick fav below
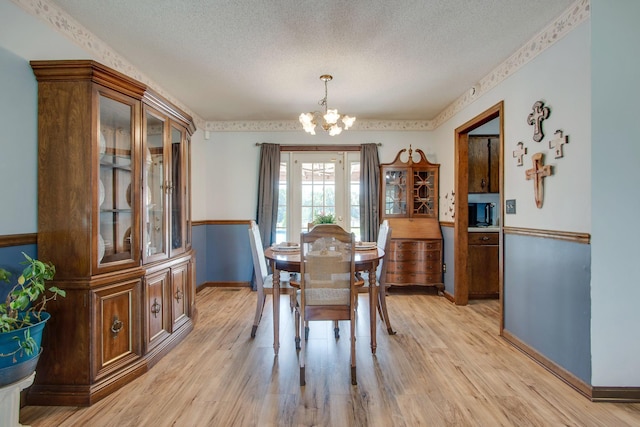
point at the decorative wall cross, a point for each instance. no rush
(537, 173)
(540, 112)
(521, 151)
(557, 143)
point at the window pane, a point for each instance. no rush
(281, 223)
(354, 198)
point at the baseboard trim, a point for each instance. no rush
(564, 375)
(616, 394)
(448, 296)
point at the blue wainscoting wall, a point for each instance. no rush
(547, 299)
(223, 254)
(448, 258)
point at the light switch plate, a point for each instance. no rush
(510, 206)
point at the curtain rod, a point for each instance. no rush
(319, 147)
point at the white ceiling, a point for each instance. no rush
(242, 60)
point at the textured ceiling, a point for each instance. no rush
(245, 60)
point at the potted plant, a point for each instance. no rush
(23, 317)
(324, 219)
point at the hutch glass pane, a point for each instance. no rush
(177, 207)
(154, 226)
(423, 192)
(114, 184)
(395, 197)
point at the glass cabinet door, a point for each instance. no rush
(424, 189)
(177, 182)
(187, 193)
(395, 192)
(116, 182)
(155, 229)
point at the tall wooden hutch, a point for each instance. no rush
(114, 218)
(409, 201)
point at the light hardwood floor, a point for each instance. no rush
(447, 366)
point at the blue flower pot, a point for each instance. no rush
(8, 343)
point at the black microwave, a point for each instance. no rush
(481, 214)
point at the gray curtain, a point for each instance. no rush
(268, 182)
(369, 192)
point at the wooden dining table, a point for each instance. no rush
(289, 260)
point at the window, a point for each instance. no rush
(313, 183)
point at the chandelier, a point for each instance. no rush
(331, 116)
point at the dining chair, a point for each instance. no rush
(384, 242)
(264, 279)
(327, 284)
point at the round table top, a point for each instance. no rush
(292, 257)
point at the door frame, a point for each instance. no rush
(461, 185)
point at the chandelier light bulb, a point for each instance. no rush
(335, 130)
(348, 121)
(331, 116)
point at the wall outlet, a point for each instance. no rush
(510, 207)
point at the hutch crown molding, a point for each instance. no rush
(114, 217)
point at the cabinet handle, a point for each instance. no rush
(178, 295)
(116, 326)
(483, 182)
(485, 238)
(155, 307)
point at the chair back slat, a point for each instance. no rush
(257, 253)
(384, 243)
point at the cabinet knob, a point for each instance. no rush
(483, 183)
(485, 238)
(116, 326)
(155, 307)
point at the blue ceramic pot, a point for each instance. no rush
(8, 343)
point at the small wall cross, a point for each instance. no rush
(557, 144)
(521, 151)
(540, 112)
(537, 173)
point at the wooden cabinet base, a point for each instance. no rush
(415, 253)
(483, 266)
(87, 395)
(83, 394)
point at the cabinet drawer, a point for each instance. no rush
(483, 238)
(414, 267)
(423, 256)
(413, 278)
(415, 245)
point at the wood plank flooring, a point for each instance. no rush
(446, 366)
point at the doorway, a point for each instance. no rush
(461, 234)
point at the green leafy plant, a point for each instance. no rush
(324, 219)
(27, 300)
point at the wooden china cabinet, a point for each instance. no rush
(114, 218)
(409, 201)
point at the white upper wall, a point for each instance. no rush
(22, 38)
(559, 76)
(232, 161)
